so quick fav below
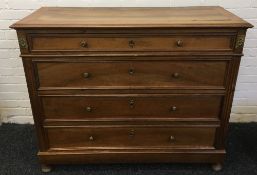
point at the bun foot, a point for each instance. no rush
(217, 166)
(46, 168)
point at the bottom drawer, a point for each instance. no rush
(129, 136)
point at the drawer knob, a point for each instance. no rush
(179, 43)
(86, 75)
(84, 44)
(89, 109)
(175, 75)
(172, 138)
(131, 44)
(173, 108)
(91, 138)
(131, 71)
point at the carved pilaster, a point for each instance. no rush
(23, 42)
(240, 41)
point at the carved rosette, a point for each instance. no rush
(240, 41)
(22, 42)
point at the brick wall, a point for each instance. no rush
(14, 101)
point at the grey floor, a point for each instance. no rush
(18, 156)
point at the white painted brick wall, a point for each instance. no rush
(14, 101)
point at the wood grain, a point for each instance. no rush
(148, 74)
(132, 156)
(140, 106)
(132, 136)
(112, 85)
(74, 17)
(110, 43)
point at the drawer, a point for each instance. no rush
(137, 106)
(129, 74)
(130, 136)
(106, 43)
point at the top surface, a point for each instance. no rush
(96, 17)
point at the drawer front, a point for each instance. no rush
(128, 74)
(76, 42)
(107, 137)
(138, 106)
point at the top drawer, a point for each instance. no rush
(125, 42)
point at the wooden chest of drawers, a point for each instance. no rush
(113, 85)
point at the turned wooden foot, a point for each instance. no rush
(217, 166)
(46, 168)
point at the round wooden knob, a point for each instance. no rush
(86, 75)
(179, 43)
(83, 44)
(172, 138)
(91, 138)
(89, 109)
(173, 108)
(175, 75)
(131, 71)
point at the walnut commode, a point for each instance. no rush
(117, 85)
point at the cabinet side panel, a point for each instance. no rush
(35, 102)
(222, 132)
